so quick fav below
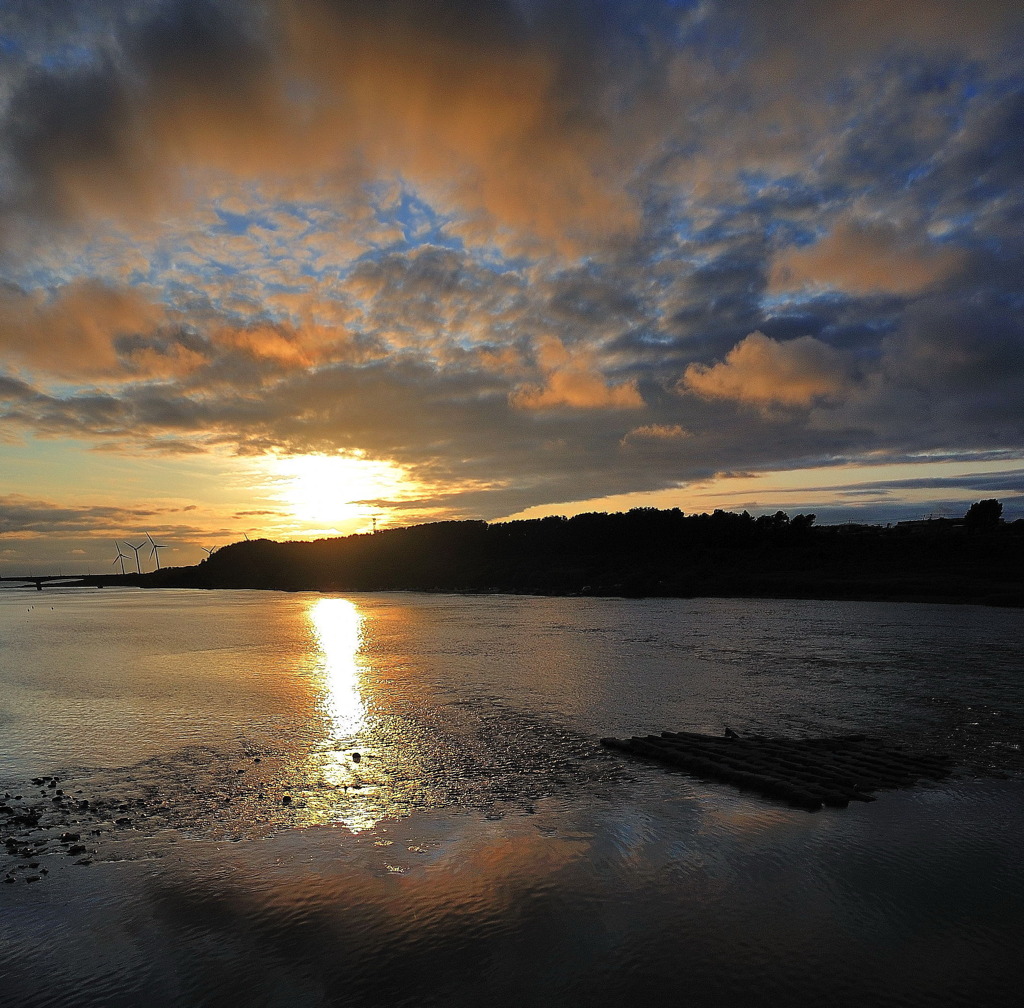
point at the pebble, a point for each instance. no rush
(51, 821)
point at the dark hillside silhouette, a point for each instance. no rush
(643, 552)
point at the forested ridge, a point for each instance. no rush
(643, 552)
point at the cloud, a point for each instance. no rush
(105, 133)
(1009, 482)
(864, 257)
(74, 331)
(572, 380)
(13, 389)
(657, 432)
(21, 515)
(503, 110)
(763, 372)
(485, 240)
(855, 27)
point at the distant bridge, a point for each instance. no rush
(40, 580)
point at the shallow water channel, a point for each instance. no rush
(400, 799)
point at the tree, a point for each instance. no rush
(984, 514)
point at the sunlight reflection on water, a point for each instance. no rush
(338, 628)
(343, 799)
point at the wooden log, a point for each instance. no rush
(833, 770)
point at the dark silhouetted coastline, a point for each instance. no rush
(643, 552)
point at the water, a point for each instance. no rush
(482, 847)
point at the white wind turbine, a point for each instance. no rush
(155, 548)
(120, 556)
(132, 546)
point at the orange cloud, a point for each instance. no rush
(863, 258)
(656, 433)
(89, 330)
(494, 117)
(763, 371)
(72, 333)
(572, 379)
(273, 343)
(481, 113)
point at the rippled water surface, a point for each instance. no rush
(399, 799)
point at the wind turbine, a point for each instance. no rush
(155, 549)
(120, 556)
(130, 546)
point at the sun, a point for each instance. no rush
(338, 492)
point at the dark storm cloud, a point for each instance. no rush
(86, 111)
(63, 124)
(200, 44)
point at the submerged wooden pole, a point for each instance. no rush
(806, 773)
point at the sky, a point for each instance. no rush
(295, 268)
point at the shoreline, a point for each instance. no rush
(644, 553)
(1010, 600)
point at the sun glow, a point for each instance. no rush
(339, 493)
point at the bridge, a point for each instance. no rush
(40, 580)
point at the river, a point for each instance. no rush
(399, 799)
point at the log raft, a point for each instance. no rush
(805, 773)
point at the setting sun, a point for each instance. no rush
(337, 492)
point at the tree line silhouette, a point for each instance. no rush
(642, 552)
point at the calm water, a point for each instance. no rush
(481, 848)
